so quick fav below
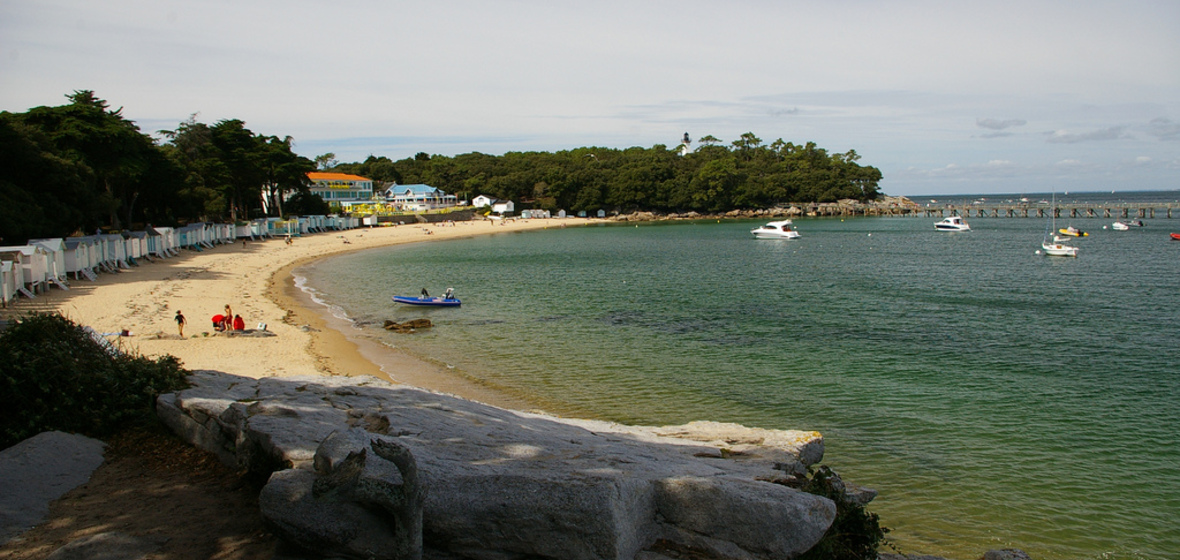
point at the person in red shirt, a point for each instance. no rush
(239, 324)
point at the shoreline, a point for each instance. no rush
(256, 278)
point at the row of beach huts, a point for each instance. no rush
(28, 270)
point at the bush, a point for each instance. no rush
(54, 376)
(855, 534)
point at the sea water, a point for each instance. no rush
(995, 397)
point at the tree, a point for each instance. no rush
(114, 149)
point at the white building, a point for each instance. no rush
(341, 188)
(419, 197)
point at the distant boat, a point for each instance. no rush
(1175, 236)
(1056, 248)
(1120, 226)
(952, 223)
(1072, 232)
(776, 230)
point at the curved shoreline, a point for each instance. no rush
(255, 279)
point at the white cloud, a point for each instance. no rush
(902, 84)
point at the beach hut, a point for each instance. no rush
(32, 265)
(115, 250)
(8, 283)
(80, 257)
(169, 242)
(137, 245)
(55, 248)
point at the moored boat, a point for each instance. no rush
(429, 301)
(1072, 232)
(1059, 250)
(776, 230)
(1175, 237)
(447, 300)
(1120, 226)
(952, 223)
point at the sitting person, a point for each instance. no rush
(239, 324)
(219, 322)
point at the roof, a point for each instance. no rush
(417, 188)
(318, 176)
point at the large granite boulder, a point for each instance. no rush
(493, 483)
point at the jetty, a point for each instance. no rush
(899, 206)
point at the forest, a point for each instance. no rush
(81, 167)
(713, 177)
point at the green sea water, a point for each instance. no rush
(993, 396)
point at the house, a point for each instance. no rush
(341, 188)
(501, 207)
(419, 197)
(482, 200)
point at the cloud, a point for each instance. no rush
(999, 124)
(1064, 137)
(1164, 129)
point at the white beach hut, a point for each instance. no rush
(8, 283)
(115, 250)
(78, 261)
(136, 244)
(169, 243)
(56, 265)
(32, 264)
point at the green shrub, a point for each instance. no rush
(55, 376)
(855, 534)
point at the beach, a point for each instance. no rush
(254, 278)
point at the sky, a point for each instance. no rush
(943, 97)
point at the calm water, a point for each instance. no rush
(995, 397)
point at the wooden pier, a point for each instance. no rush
(1118, 211)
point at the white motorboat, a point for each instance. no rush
(1120, 226)
(776, 230)
(953, 223)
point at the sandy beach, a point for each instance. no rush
(255, 280)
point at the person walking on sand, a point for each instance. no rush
(180, 322)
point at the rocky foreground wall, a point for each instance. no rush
(361, 467)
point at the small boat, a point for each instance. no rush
(1072, 232)
(1175, 236)
(1120, 226)
(953, 223)
(431, 301)
(776, 230)
(1059, 250)
(447, 300)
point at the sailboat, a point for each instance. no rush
(1056, 248)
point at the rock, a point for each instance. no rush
(39, 470)
(1006, 554)
(502, 484)
(408, 326)
(108, 546)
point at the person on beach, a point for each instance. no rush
(228, 317)
(239, 324)
(180, 322)
(219, 322)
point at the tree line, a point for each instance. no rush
(746, 174)
(83, 166)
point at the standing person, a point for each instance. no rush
(180, 322)
(228, 318)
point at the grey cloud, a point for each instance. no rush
(999, 124)
(1061, 137)
(1164, 129)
